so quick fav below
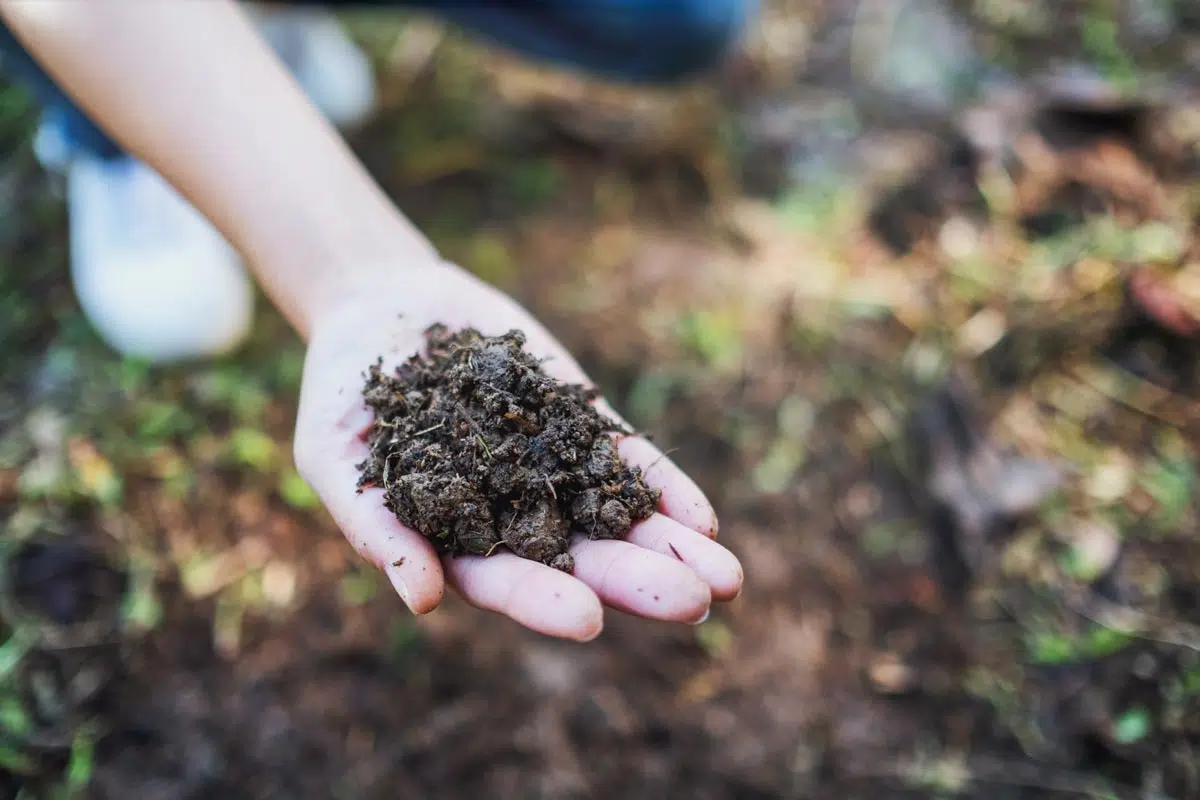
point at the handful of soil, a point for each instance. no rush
(475, 446)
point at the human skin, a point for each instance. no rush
(192, 90)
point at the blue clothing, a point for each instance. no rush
(636, 41)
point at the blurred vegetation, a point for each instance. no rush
(787, 335)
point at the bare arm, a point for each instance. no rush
(192, 90)
(188, 86)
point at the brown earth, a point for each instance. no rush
(955, 457)
(475, 447)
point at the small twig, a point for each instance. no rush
(512, 521)
(654, 463)
(466, 416)
(474, 427)
(429, 430)
(483, 444)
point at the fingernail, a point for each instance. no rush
(704, 618)
(393, 574)
(591, 635)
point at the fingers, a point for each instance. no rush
(664, 571)
(546, 600)
(711, 562)
(405, 556)
(327, 452)
(327, 449)
(640, 581)
(682, 499)
(667, 571)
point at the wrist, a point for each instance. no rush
(362, 288)
(324, 269)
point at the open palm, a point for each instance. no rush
(669, 567)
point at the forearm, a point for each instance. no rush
(192, 90)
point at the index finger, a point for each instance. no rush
(327, 450)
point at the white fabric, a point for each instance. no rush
(153, 276)
(156, 280)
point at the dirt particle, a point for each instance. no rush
(477, 448)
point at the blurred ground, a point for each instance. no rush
(871, 286)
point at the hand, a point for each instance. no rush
(668, 568)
